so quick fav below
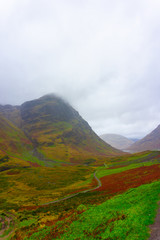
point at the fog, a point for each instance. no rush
(101, 56)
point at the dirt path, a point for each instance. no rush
(5, 226)
(2, 221)
(73, 195)
(155, 228)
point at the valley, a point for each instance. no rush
(79, 120)
(59, 180)
(48, 203)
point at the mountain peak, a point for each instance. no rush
(50, 108)
(60, 132)
(51, 96)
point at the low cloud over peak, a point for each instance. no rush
(101, 56)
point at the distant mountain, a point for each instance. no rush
(149, 142)
(117, 141)
(134, 139)
(52, 130)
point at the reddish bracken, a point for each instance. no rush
(34, 164)
(13, 172)
(121, 182)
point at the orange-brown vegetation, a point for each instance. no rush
(120, 182)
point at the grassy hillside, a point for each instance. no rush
(122, 208)
(12, 139)
(125, 216)
(60, 133)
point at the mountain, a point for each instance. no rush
(149, 142)
(117, 141)
(12, 138)
(134, 139)
(59, 132)
(53, 130)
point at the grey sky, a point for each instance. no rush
(101, 55)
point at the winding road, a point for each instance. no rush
(73, 195)
(155, 230)
(10, 218)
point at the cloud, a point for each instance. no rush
(102, 56)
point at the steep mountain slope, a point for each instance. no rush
(60, 133)
(12, 113)
(149, 142)
(12, 139)
(117, 141)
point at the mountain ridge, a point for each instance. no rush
(150, 142)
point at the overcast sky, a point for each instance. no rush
(102, 56)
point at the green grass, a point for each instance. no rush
(102, 171)
(0, 223)
(125, 216)
(127, 163)
(26, 223)
(29, 157)
(134, 157)
(143, 157)
(88, 181)
(34, 186)
(39, 235)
